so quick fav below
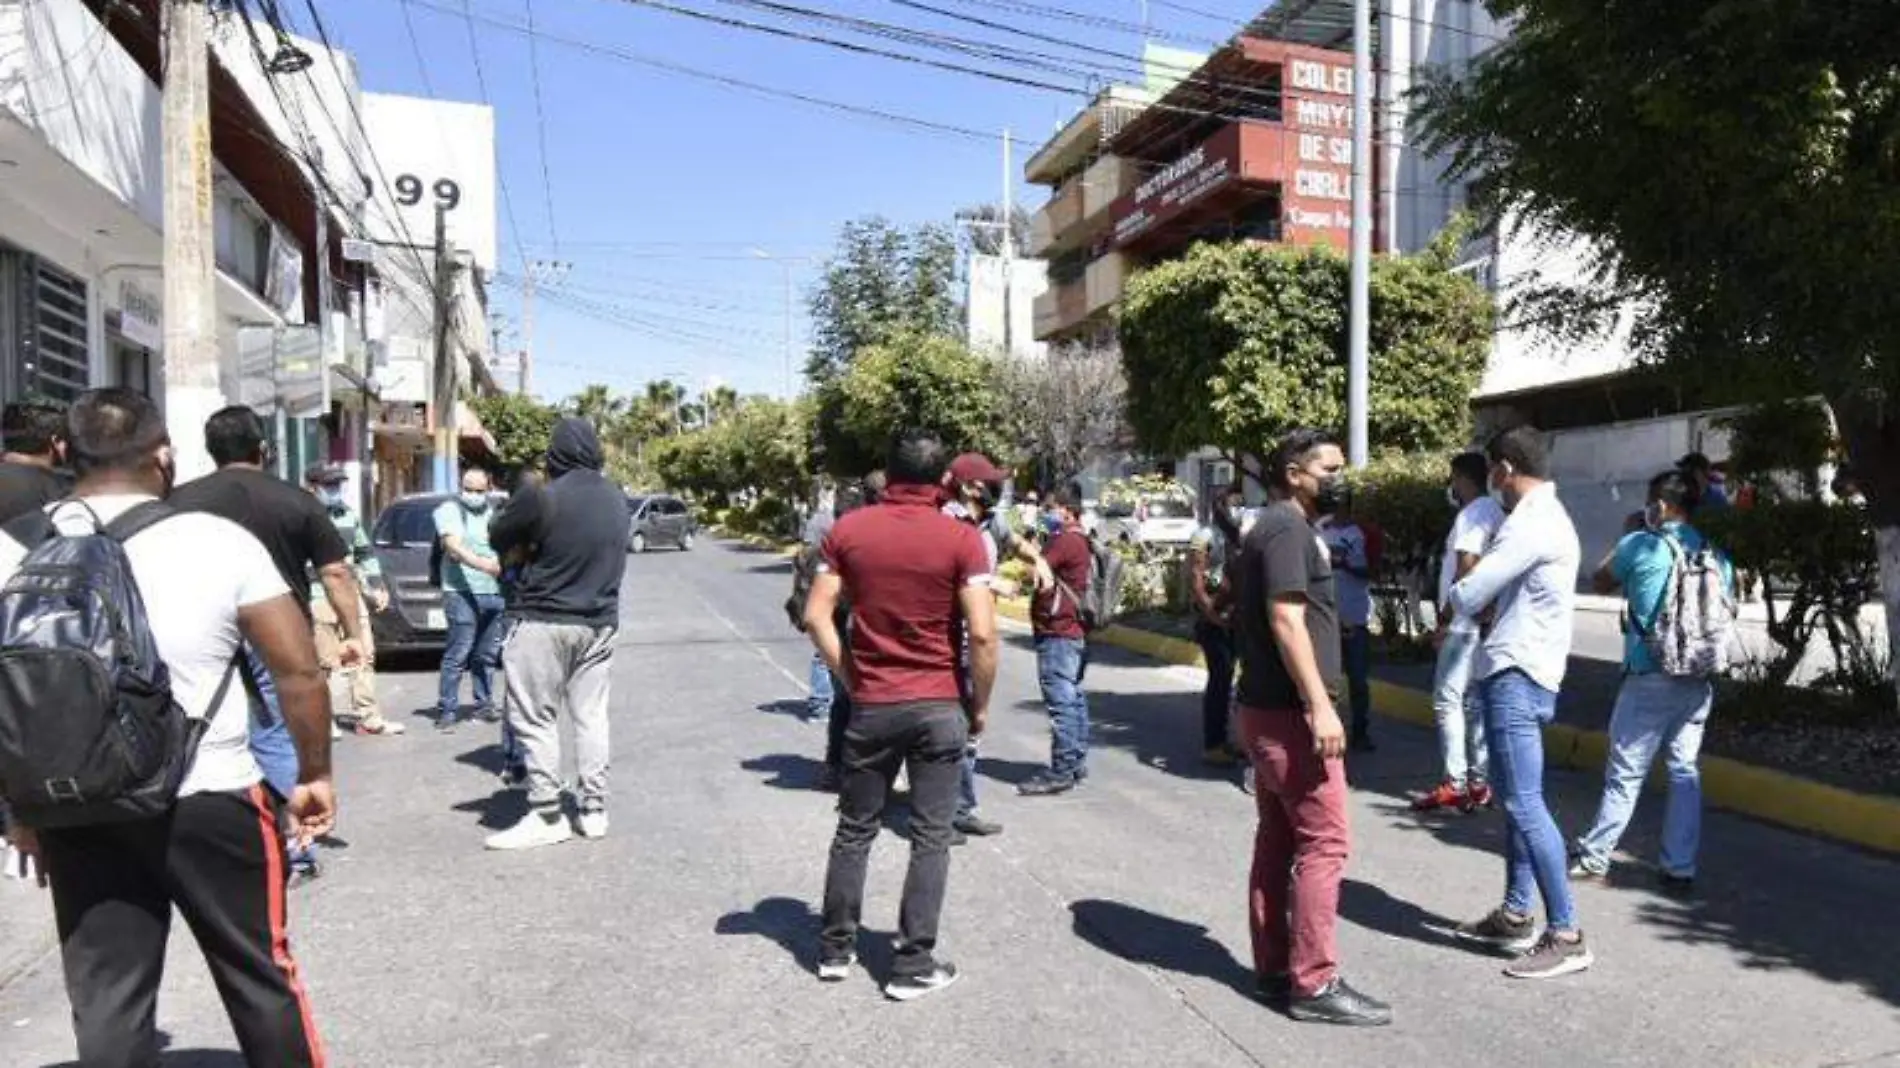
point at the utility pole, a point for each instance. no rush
(444, 365)
(1358, 358)
(1009, 247)
(190, 359)
(790, 391)
(526, 365)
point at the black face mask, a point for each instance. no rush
(1330, 495)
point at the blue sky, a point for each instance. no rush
(662, 185)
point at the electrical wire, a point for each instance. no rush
(481, 82)
(727, 81)
(541, 126)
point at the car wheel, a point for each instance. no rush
(639, 543)
(686, 542)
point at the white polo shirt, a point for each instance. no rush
(194, 572)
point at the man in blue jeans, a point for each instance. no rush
(1653, 710)
(1062, 652)
(471, 599)
(1523, 592)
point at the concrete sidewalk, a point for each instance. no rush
(1102, 928)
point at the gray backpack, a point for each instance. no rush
(1694, 632)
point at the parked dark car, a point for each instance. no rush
(403, 537)
(659, 520)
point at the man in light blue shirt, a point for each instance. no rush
(470, 578)
(1350, 550)
(1653, 709)
(1526, 588)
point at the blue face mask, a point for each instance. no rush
(474, 502)
(1052, 524)
(330, 496)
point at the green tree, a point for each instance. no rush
(883, 280)
(520, 425)
(1235, 344)
(598, 405)
(1734, 165)
(924, 381)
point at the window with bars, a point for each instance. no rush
(54, 361)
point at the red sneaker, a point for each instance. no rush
(1445, 795)
(1476, 796)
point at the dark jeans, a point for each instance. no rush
(474, 646)
(1217, 647)
(1355, 645)
(219, 859)
(1060, 665)
(1516, 709)
(928, 736)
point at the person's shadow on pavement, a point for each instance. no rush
(788, 771)
(795, 927)
(1142, 937)
(1375, 910)
(184, 1058)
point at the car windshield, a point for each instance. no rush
(1169, 508)
(406, 523)
(634, 504)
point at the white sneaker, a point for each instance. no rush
(593, 823)
(535, 829)
(336, 732)
(902, 784)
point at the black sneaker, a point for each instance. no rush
(447, 722)
(1338, 1003)
(489, 714)
(1553, 956)
(912, 987)
(1045, 784)
(1501, 931)
(1678, 886)
(514, 776)
(836, 969)
(977, 827)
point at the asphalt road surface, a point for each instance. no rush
(1107, 927)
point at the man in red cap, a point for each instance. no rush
(975, 487)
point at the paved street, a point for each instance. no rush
(1104, 928)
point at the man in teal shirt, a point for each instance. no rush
(1653, 710)
(471, 599)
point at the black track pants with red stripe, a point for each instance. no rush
(220, 859)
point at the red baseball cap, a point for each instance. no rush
(975, 467)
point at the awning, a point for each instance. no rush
(468, 426)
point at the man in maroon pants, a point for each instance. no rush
(1288, 621)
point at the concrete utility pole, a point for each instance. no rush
(1009, 249)
(190, 359)
(444, 288)
(1358, 359)
(526, 365)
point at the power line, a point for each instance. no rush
(541, 126)
(481, 82)
(685, 71)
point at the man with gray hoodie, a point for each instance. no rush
(572, 531)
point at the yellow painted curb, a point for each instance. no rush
(1773, 796)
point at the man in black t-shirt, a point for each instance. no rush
(30, 475)
(298, 535)
(1287, 617)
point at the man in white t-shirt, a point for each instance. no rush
(1461, 741)
(217, 856)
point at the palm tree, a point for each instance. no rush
(720, 402)
(598, 405)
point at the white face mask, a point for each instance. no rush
(474, 500)
(331, 496)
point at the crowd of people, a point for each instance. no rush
(899, 601)
(198, 777)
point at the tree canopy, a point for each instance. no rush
(520, 425)
(1235, 344)
(883, 280)
(914, 380)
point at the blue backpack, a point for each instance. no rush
(90, 732)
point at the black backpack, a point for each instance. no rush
(90, 732)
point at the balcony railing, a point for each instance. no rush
(1053, 226)
(1104, 282)
(1104, 182)
(1059, 308)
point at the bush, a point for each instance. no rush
(1405, 496)
(1819, 557)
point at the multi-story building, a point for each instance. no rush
(81, 219)
(1253, 143)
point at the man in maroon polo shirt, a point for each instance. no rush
(1287, 616)
(913, 576)
(1062, 651)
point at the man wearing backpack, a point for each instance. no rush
(470, 578)
(1679, 600)
(198, 832)
(1062, 652)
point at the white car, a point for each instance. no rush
(1150, 521)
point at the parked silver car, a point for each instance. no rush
(659, 520)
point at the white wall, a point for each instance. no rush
(429, 142)
(323, 102)
(983, 306)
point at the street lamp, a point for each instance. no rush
(785, 262)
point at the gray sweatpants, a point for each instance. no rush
(549, 665)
